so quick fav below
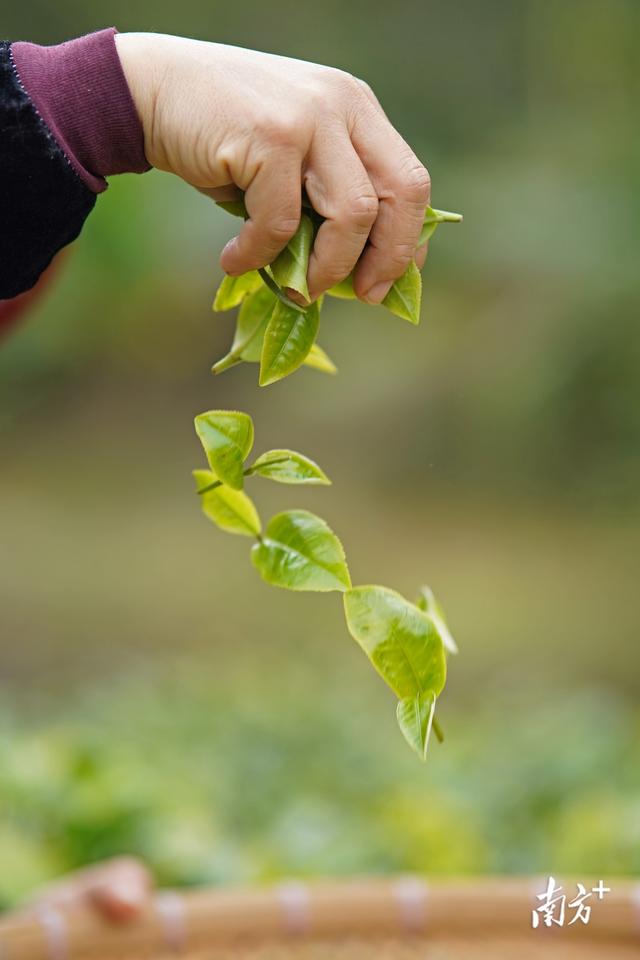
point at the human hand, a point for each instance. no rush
(226, 119)
(118, 889)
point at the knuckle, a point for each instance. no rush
(364, 86)
(327, 271)
(345, 84)
(335, 273)
(280, 131)
(360, 211)
(315, 96)
(416, 182)
(399, 257)
(280, 229)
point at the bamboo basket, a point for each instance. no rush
(392, 919)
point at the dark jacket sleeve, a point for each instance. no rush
(67, 121)
(43, 202)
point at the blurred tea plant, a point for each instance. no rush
(405, 642)
(243, 780)
(278, 332)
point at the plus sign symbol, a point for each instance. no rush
(600, 890)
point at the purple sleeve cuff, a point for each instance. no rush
(80, 91)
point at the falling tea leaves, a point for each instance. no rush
(406, 643)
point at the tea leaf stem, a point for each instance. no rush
(273, 286)
(437, 729)
(249, 472)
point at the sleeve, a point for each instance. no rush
(67, 121)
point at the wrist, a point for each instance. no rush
(81, 93)
(137, 53)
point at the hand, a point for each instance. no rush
(118, 889)
(224, 117)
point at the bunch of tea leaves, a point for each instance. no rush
(407, 643)
(281, 334)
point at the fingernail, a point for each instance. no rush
(378, 291)
(228, 248)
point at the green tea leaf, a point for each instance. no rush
(415, 718)
(400, 640)
(227, 438)
(441, 216)
(428, 229)
(301, 552)
(233, 290)
(319, 359)
(231, 510)
(289, 269)
(253, 316)
(287, 341)
(343, 290)
(431, 220)
(287, 466)
(280, 294)
(235, 207)
(404, 297)
(427, 602)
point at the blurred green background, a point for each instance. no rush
(157, 698)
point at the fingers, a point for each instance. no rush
(403, 187)
(360, 176)
(119, 889)
(340, 190)
(273, 201)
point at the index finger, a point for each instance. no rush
(273, 200)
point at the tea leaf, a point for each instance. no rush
(233, 290)
(299, 551)
(441, 216)
(251, 324)
(287, 341)
(280, 294)
(227, 438)
(427, 602)
(343, 290)
(431, 220)
(404, 297)
(235, 207)
(253, 318)
(399, 639)
(319, 359)
(289, 269)
(415, 718)
(231, 510)
(428, 229)
(287, 466)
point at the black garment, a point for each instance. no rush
(43, 202)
